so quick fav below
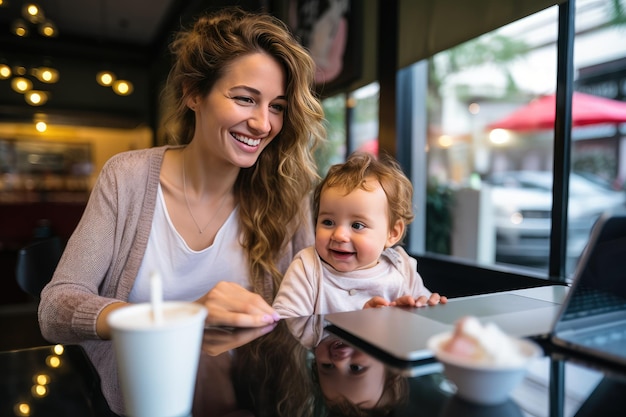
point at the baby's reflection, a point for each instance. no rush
(354, 383)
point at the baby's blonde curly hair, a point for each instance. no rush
(360, 166)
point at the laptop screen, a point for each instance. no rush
(599, 286)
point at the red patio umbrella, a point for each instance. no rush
(586, 110)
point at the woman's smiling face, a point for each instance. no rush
(244, 110)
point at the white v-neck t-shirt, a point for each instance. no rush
(188, 274)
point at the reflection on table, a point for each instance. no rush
(295, 368)
(50, 381)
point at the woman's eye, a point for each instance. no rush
(243, 99)
(278, 108)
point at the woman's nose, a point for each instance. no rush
(260, 121)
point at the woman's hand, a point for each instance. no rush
(230, 304)
(218, 340)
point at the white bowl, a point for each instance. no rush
(483, 383)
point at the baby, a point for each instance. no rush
(362, 209)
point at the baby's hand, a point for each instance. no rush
(376, 302)
(404, 301)
(434, 299)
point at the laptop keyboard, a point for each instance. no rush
(611, 340)
(590, 301)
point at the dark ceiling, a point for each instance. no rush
(128, 36)
(103, 28)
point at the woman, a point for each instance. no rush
(220, 214)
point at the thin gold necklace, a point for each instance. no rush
(200, 229)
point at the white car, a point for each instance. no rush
(522, 202)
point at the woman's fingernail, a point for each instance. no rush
(276, 316)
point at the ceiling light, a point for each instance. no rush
(19, 28)
(46, 75)
(36, 98)
(48, 29)
(105, 78)
(32, 13)
(5, 70)
(122, 87)
(21, 84)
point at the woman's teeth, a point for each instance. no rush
(247, 141)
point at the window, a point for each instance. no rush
(334, 150)
(489, 137)
(359, 112)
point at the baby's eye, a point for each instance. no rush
(326, 222)
(358, 226)
(357, 369)
(327, 365)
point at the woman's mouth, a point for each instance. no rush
(246, 140)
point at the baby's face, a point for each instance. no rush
(345, 372)
(353, 229)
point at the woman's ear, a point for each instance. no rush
(192, 102)
(395, 234)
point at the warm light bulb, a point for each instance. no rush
(41, 127)
(32, 12)
(36, 98)
(105, 78)
(41, 379)
(5, 71)
(32, 9)
(21, 84)
(48, 29)
(39, 391)
(19, 28)
(122, 87)
(22, 409)
(46, 74)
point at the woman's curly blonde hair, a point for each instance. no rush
(273, 193)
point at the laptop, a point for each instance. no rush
(592, 319)
(400, 335)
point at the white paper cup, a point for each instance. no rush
(158, 363)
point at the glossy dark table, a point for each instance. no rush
(284, 370)
(50, 381)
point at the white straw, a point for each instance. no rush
(156, 297)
